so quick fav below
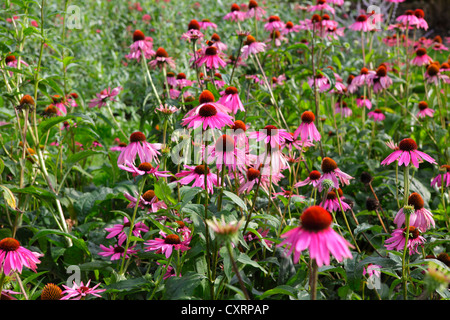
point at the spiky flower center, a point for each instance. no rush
(9, 244)
(364, 71)
(316, 218)
(206, 96)
(208, 110)
(361, 18)
(421, 52)
(274, 18)
(432, 70)
(271, 130)
(423, 105)
(211, 51)
(119, 249)
(193, 25)
(252, 4)
(308, 117)
(414, 232)
(138, 35)
(148, 195)
(314, 175)
(419, 13)
(249, 40)
(252, 174)
(27, 99)
(382, 71)
(416, 200)
(446, 167)
(289, 25)
(9, 59)
(239, 125)
(51, 292)
(137, 137)
(328, 165)
(145, 166)
(200, 169)
(172, 239)
(316, 18)
(231, 90)
(407, 144)
(162, 53)
(235, 7)
(224, 144)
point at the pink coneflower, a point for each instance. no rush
(251, 46)
(138, 145)
(372, 270)
(251, 179)
(208, 115)
(182, 81)
(380, 79)
(119, 147)
(334, 33)
(197, 174)
(206, 23)
(331, 202)
(327, 23)
(215, 39)
(117, 230)
(103, 96)
(424, 110)
(148, 201)
(433, 74)
(307, 129)
(225, 152)
(408, 18)
(377, 115)
(144, 168)
(313, 179)
(321, 6)
(331, 172)
(407, 154)
(235, 14)
(439, 47)
(211, 58)
(363, 77)
(362, 23)
(343, 108)
(162, 59)
(254, 10)
(81, 291)
(363, 101)
(296, 143)
(290, 27)
(271, 135)
(116, 252)
(421, 58)
(60, 104)
(437, 181)
(421, 218)
(278, 81)
(397, 240)
(287, 194)
(167, 244)
(12, 62)
(140, 46)
(13, 257)
(315, 233)
(230, 99)
(421, 24)
(166, 109)
(193, 32)
(274, 23)
(250, 236)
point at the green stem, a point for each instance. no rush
(405, 248)
(236, 271)
(346, 221)
(163, 272)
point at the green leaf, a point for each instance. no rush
(74, 158)
(283, 290)
(182, 288)
(233, 197)
(76, 241)
(245, 259)
(38, 192)
(9, 197)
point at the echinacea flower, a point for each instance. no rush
(331, 172)
(307, 129)
(312, 179)
(380, 80)
(290, 27)
(116, 252)
(211, 58)
(251, 179)
(408, 18)
(81, 291)
(316, 234)
(254, 11)
(398, 237)
(138, 145)
(235, 14)
(363, 101)
(251, 46)
(230, 99)
(377, 115)
(321, 6)
(433, 74)
(343, 108)
(362, 23)
(51, 292)
(117, 230)
(148, 201)
(60, 103)
(331, 201)
(103, 96)
(424, 110)
(421, 23)
(197, 174)
(287, 194)
(216, 42)
(225, 230)
(207, 115)
(167, 244)
(445, 177)
(13, 257)
(140, 46)
(225, 153)
(407, 154)
(421, 58)
(271, 135)
(206, 23)
(421, 218)
(162, 59)
(273, 23)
